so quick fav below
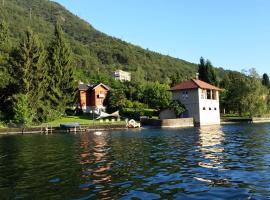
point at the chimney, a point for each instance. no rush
(197, 76)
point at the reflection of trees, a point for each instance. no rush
(9, 150)
(211, 146)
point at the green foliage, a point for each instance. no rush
(4, 53)
(245, 94)
(207, 72)
(34, 81)
(178, 107)
(132, 113)
(21, 108)
(115, 100)
(156, 95)
(265, 80)
(62, 90)
(29, 71)
(92, 50)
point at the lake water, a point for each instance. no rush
(227, 162)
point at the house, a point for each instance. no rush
(91, 96)
(200, 99)
(122, 75)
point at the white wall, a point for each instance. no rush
(207, 116)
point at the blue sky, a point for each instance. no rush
(233, 34)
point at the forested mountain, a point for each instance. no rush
(95, 53)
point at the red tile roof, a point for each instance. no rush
(85, 87)
(193, 84)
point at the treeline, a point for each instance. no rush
(36, 83)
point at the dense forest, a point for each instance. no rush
(45, 51)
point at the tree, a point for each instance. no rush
(29, 71)
(207, 72)
(245, 94)
(4, 53)
(115, 100)
(178, 107)
(62, 91)
(156, 95)
(265, 80)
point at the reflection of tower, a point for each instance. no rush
(212, 149)
(94, 161)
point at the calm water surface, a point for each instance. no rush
(228, 162)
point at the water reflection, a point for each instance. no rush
(94, 161)
(211, 146)
(228, 162)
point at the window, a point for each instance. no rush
(203, 108)
(208, 94)
(210, 108)
(215, 108)
(203, 94)
(185, 94)
(214, 96)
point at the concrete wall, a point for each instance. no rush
(260, 119)
(179, 122)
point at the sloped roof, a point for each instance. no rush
(193, 84)
(85, 87)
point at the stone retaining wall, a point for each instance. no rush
(260, 119)
(179, 122)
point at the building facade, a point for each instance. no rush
(91, 96)
(200, 99)
(122, 75)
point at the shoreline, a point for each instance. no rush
(54, 129)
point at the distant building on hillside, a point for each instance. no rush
(122, 75)
(91, 96)
(200, 99)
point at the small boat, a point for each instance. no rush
(133, 124)
(69, 126)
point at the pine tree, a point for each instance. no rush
(202, 70)
(29, 70)
(265, 80)
(62, 83)
(4, 53)
(207, 72)
(5, 78)
(211, 74)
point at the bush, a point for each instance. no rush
(137, 113)
(21, 110)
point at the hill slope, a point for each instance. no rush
(94, 52)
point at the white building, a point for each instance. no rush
(200, 99)
(122, 75)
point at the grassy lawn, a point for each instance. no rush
(233, 117)
(82, 120)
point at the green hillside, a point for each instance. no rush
(94, 52)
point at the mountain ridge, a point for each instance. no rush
(94, 52)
